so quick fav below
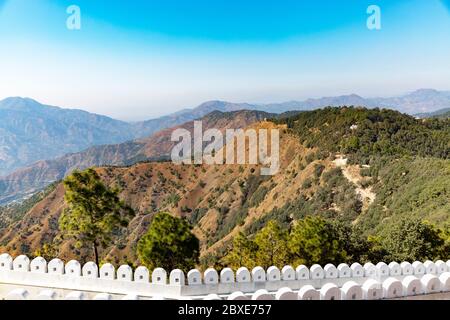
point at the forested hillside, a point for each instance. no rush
(367, 134)
(368, 174)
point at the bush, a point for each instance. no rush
(411, 240)
(307, 183)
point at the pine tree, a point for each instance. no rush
(94, 211)
(242, 253)
(272, 246)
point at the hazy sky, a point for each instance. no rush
(140, 59)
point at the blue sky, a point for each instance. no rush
(140, 59)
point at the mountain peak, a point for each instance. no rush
(18, 99)
(424, 92)
(213, 103)
(20, 103)
(353, 95)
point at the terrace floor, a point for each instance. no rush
(435, 296)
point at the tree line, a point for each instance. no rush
(314, 239)
(95, 212)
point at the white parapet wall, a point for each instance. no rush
(23, 278)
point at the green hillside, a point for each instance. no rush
(410, 187)
(365, 134)
(408, 158)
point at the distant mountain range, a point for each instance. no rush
(442, 113)
(30, 179)
(32, 132)
(419, 101)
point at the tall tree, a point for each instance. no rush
(94, 211)
(315, 240)
(242, 253)
(272, 246)
(169, 243)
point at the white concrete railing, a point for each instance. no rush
(390, 288)
(273, 281)
(371, 289)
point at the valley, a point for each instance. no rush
(25, 182)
